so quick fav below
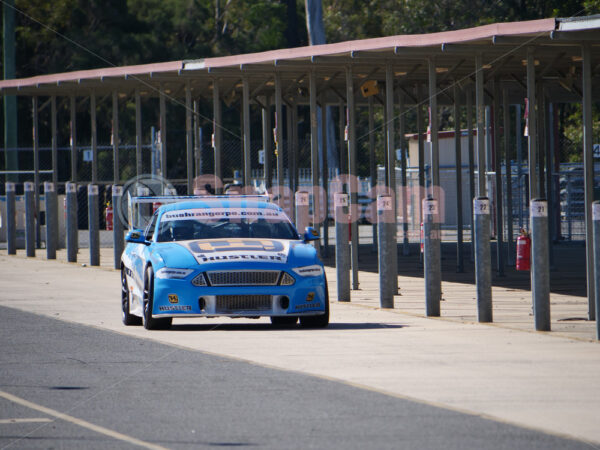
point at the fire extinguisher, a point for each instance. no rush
(109, 216)
(523, 251)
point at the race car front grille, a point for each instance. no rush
(234, 303)
(244, 278)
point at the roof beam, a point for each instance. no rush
(575, 36)
(497, 66)
(464, 48)
(551, 64)
(452, 70)
(519, 81)
(418, 52)
(520, 40)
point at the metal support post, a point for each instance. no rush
(540, 269)
(36, 166)
(314, 155)
(483, 258)
(94, 132)
(372, 161)
(471, 147)
(342, 248)
(11, 218)
(481, 209)
(93, 221)
(29, 219)
(403, 178)
(532, 125)
(325, 177)
(115, 136)
(267, 136)
(197, 145)
(519, 145)
(51, 219)
(432, 261)
(460, 266)
(279, 129)
(434, 125)
(295, 147)
(420, 144)
(302, 217)
(588, 173)
(217, 135)
(118, 240)
(510, 259)
(73, 135)
(353, 173)
(498, 179)
(289, 148)
(386, 229)
(138, 133)
(596, 221)
(162, 107)
(71, 212)
(390, 159)
(53, 133)
(246, 131)
(189, 145)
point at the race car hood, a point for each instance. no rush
(238, 249)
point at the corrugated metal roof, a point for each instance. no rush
(390, 43)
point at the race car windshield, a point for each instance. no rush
(186, 225)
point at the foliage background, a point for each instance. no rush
(101, 33)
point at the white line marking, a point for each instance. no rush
(80, 422)
(34, 420)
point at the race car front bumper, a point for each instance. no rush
(177, 298)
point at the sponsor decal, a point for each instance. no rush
(175, 308)
(211, 258)
(238, 249)
(224, 213)
(173, 298)
(231, 245)
(308, 305)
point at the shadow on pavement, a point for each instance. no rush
(567, 273)
(268, 327)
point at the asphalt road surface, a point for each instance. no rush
(69, 386)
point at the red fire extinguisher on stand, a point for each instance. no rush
(523, 251)
(109, 217)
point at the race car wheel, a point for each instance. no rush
(128, 319)
(284, 321)
(318, 321)
(151, 323)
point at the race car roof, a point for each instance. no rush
(221, 202)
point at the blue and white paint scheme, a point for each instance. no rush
(236, 256)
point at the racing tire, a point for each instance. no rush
(128, 319)
(151, 323)
(283, 321)
(320, 321)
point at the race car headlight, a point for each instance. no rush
(199, 280)
(309, 271)
(168, 273)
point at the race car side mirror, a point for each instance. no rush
(311, 234)
(135, 237)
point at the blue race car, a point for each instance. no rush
(235, 256)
